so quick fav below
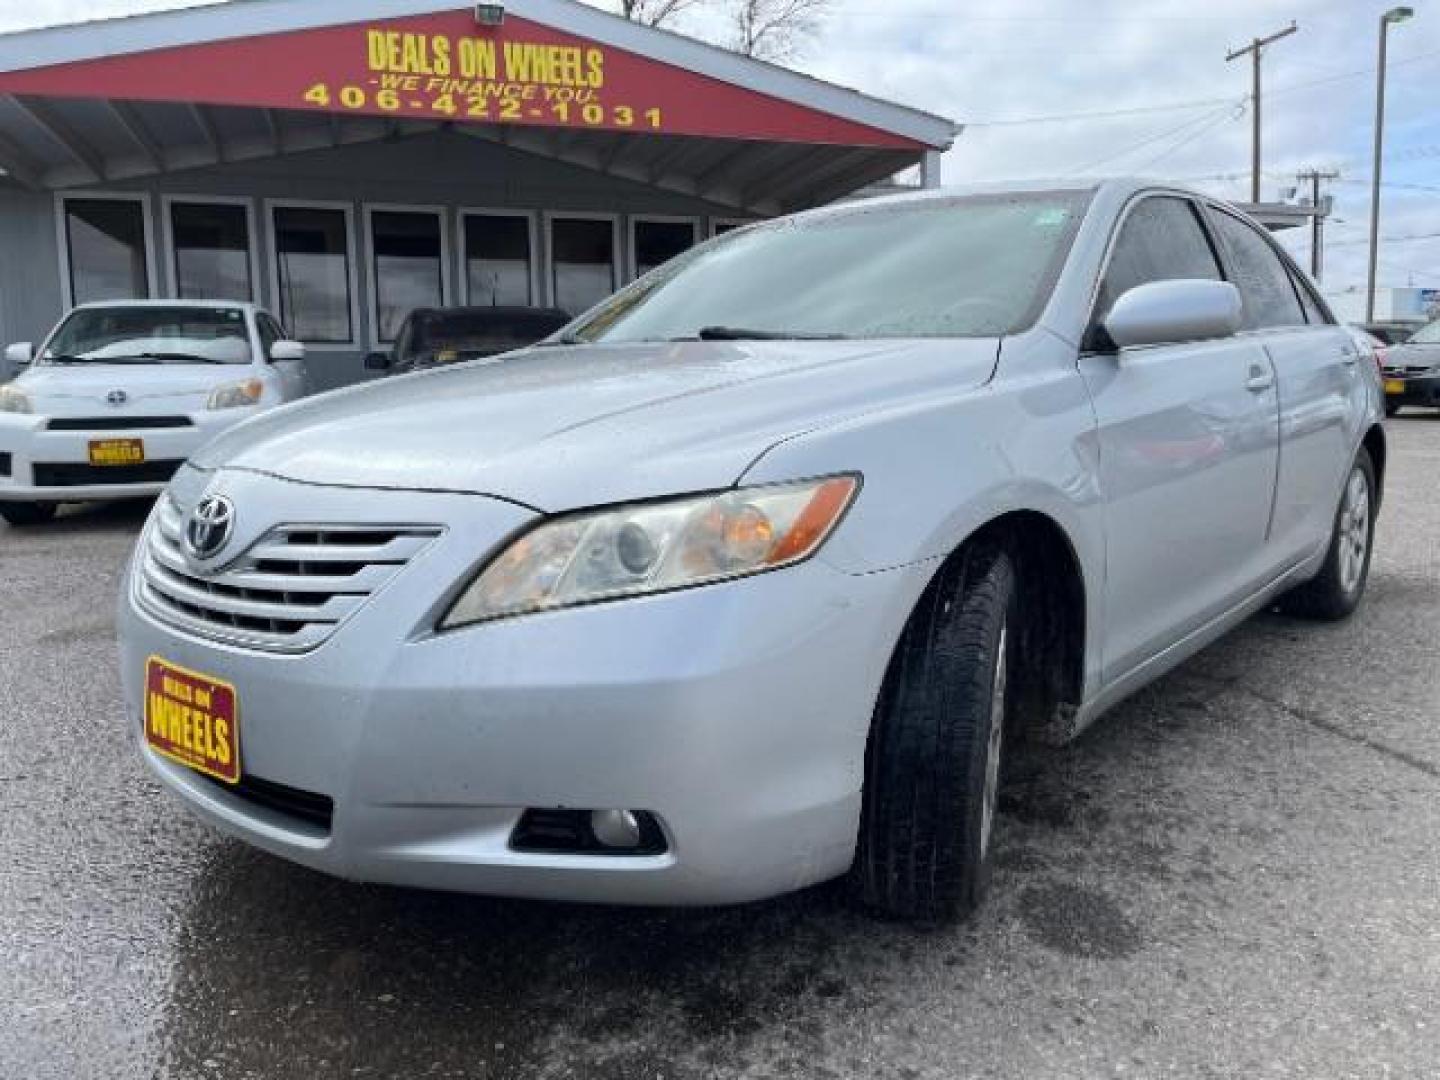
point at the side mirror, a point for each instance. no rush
(282, 351)
(377, 361)
(1166, 312)
(20, 355)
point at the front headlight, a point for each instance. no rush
(13, 400)
(656, 547)
(236, 395)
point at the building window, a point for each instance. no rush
(657, 242)
(211, 249)
(313, 273)
(408, 266)
(498, 260)
(106, 249)
(582, 262)
(721, 226)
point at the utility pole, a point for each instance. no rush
(1317, 222)
(1255, 48)
(1390, 18)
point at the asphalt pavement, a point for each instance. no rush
(1235, 874)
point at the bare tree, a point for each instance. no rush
(776, 29)
(656, 12)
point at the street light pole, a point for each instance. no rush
(1394, 15)
(1254, 49)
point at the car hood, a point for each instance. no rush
(86, 390)
(558, 428)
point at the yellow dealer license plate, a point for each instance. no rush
(1394, 386)
(117, 452)
(193, 719)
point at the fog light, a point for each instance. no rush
(616, 828)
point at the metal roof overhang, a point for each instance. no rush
(154, 94)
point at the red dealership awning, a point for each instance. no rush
(148, 94)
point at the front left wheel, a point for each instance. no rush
(933, 761)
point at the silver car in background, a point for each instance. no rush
(749, 578)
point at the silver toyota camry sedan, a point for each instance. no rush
(750, 577)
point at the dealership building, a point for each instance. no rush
(345, 161)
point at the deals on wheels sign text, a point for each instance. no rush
(481, 78)
(446, 67)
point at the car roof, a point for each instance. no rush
(231, 305)
(509, 312)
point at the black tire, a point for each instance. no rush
(23, 514)
(1391, 410)
(932, 767)
(1334, 593)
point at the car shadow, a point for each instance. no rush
(81, 518)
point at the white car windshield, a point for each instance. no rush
(1427, 335)
(966, 266)
(151, 335)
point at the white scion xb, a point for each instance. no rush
(121, 394)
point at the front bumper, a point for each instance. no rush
(33, 458)
(1419, 390)
(737, 714)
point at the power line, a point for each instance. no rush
(1205, 129)
(1181, 106)
(1167, 133)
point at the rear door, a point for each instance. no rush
(1321, 393)
(1188, 448)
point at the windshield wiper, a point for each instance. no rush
(740, 333)
(178, 358)
(567, 339)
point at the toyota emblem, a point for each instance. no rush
(209, 527)
(117, 398)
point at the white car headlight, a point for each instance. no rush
(236, 395)
(656, 547)
(13, 400)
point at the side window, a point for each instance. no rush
(1162, 240)
(1265, 287)
(1314, 313)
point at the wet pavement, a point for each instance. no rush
(1236, 874)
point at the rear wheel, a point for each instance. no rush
(1335, 592)
(933, 763)
(22, 514)
(1391, 409)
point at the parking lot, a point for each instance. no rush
(1234, 874)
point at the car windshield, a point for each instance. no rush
(485, 330)
(966, 266)
(1428, 335)
(151, 335)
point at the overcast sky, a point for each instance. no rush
(986, 63)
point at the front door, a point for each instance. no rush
(1188, 450)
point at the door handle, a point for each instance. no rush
(1260, 379)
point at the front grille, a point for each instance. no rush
(1405, 372)
(306, 806)
(72, 475)
(119, 423)
(287, 593)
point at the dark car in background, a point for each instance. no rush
(431, 337)
(1412, 371)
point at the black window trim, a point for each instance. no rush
(1095, 341)
(1286, 262)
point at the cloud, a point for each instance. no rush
(991, 60)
